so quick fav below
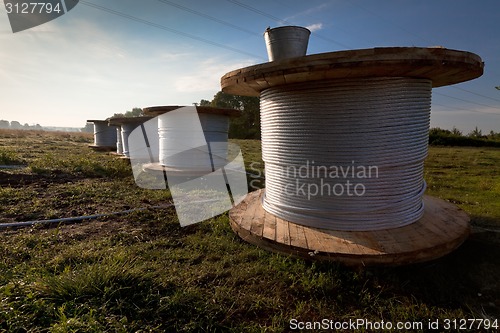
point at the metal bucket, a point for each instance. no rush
(286, 42)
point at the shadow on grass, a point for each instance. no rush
(484, 221)
(466, 278)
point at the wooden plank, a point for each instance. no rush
(297, 236)
(366, 243)
(315, 240)
(275, 78)
(269, 231)
(258, 219)
(248, 216)
(363, 243)
(452, 224)
(385, 241)
(393, 240)
(282, 232)
(426, 238)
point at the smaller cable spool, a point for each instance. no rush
(126, 125)
(104, 136)
(346, 154)
(183, 145)
(176, 134)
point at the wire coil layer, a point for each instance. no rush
(104, 136)
(346, 154)
(184, 147)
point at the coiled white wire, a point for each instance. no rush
(183, 146)
(352, 124)
(104, 136)
(126, 129)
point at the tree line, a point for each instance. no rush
(5, 124)
(455, 137)
(135, 112)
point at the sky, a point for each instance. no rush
(109, 56)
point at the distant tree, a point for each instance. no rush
(247, 126)
(89, 128)
(15, 125)
(4, 124)
(476, 133)
(456, 131)
(204, 102)
(494, 136)
(26, 126)
(136, 112)
(38, 127)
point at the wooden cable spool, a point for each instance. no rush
(176, 133)
(104, 136)
(127, 125)
(441, 228)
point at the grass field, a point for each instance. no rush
(142, 272)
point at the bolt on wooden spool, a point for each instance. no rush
(441, 228)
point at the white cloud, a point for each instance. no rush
(171, 56)
(315, 27)
(309, 11)
(206, 75)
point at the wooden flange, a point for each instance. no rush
(157, 168)
(442, 66)
(128, 120)
(442, 229)
(158, 110)
(97, 121)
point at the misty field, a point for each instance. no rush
(142, 272)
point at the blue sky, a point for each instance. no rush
(90, 63)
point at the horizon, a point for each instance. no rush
(81, 129)
(106, 57)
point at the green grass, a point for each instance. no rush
(142, 272)
(469, 178)
(8, 157)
